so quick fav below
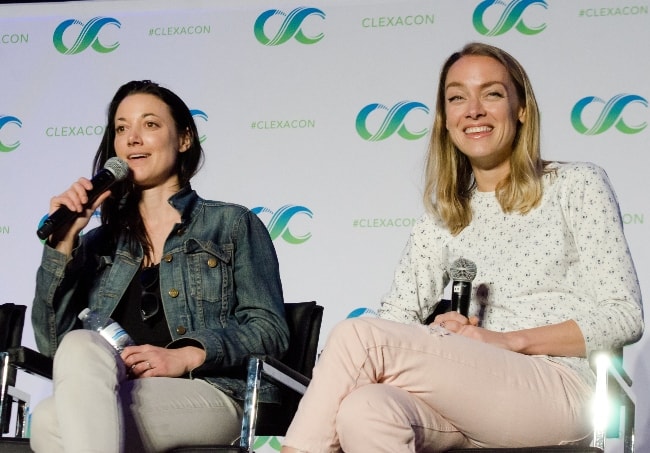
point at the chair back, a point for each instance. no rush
(304, 320)
(12, 320)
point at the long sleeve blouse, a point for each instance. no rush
(567, 259)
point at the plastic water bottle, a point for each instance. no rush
(108, 328)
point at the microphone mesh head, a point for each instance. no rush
(463, 270)
(118, 167)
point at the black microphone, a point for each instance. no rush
(462, 273)
(115, 169)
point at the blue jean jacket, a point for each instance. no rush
(220, 287)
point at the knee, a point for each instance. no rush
(345, 327)
(367, 407)
(352, 409)
(377, 417)
(78, 342)
(81, 347)
(352, 328)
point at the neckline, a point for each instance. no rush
(479, 194)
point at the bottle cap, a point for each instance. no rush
(84, 313)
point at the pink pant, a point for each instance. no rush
(382, 386)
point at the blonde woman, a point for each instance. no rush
(555, 281)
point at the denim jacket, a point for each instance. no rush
(220, 287)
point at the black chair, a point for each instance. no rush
(292, 374)
(12, 319)
(13, 357)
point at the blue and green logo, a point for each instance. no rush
(4, 121)
(611, 114)
(394, 121)
(201, 115)
(362, 311)
(511, 17)
(87, 37)
(278, 225)
(271, 441)
(291, 26)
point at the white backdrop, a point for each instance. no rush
(293, 101)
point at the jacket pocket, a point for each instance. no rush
(209, 271)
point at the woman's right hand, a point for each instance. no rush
(74, 199)
(454, 321)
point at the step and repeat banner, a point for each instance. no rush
(315, 115)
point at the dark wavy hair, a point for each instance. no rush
(119, 213)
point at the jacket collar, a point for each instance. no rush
(185, 201)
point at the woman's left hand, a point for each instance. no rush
(148, 361)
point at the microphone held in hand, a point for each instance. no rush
(114, 170)
(462, 273)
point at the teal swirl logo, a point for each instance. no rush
(88, 36)
(510, 18)
(394, 121)
(362, 311)
(610, 115)
(200, 114)
(4, 120)
(290, 27)
(278, 226)
(270, 441)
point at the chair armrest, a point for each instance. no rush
(265, 366)
(613, 394)
(281, 374)
(30, 361)
(616, 369)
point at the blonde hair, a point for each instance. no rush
(449, 180)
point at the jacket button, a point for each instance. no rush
(181, 330)
(168, 258)
(173, 292)
(212, 262)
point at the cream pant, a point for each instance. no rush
(95, 408)
(381, 386)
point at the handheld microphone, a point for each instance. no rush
(462, 272)
(115, 169)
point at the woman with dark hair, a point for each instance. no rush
(554, 281)
(194, 282)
